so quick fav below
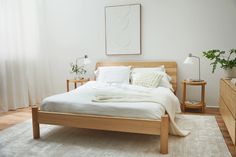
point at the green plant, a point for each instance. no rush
(77, 69)
(226, 60)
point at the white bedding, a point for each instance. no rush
(81, 100)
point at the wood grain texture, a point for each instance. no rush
(200, 105)
(143, 126)
(228, 82)
(171, 67)
(10, 118)
(194, 83)
(35, 123)
(226, 135)
(228, 119)
(102, 122)
(233, 103)
(227, 96)
(164, 134)
(227, 107)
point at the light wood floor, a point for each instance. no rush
(11, 118)
(14, 117)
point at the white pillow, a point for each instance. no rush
(165, 81)
(113, 74)
(154, 69)
(150, 80)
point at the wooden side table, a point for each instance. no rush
(187, 104)
(80, 81)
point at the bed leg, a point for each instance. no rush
(164, 134)
(36, 131)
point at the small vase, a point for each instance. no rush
(230, 73)
(76, 76)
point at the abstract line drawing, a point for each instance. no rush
(123, 30)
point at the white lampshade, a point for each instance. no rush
(188, 60)
(86, 60)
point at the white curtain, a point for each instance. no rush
(24, 75)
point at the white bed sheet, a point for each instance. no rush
(80, 101)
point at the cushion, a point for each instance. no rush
(165, 81)
(149, 79)
(113, 74)
(153, 69)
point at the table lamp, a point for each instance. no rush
(189, 60)
(86, 60)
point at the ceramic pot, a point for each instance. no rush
(76, 76)
(230, 73)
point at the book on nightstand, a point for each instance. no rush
(192, 102)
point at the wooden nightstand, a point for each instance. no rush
(81, 82)
(198, 105)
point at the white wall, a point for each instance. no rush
(170, 30)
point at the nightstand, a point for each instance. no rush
(197, 104)
(75, 82)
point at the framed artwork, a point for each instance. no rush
(123, 29)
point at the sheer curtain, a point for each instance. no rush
(24, 75)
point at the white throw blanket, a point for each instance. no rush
(162, 96)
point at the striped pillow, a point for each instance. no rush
(149, 79)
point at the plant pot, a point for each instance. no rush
(230, 73)
(75, 76)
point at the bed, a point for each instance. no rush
(120, 123)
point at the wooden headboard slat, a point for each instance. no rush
(171, 67)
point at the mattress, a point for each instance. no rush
(80, 101)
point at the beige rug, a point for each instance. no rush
(205, 140)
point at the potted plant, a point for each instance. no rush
(226, 60)
(77, 69)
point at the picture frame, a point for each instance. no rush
(123, 29)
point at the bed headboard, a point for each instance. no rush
(171, 67)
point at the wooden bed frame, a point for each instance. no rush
(132, 125)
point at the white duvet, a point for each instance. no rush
(118, 100)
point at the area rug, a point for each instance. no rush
(205, 140)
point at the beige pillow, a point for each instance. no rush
(149, 79)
